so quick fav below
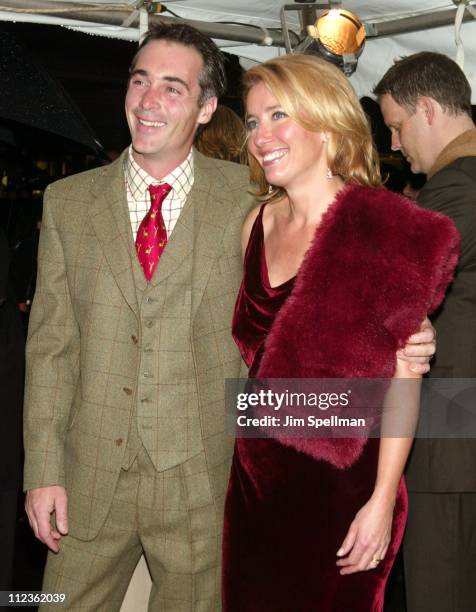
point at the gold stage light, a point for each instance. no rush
(339, 36)
(339, 31)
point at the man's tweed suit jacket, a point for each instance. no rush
(94, 335)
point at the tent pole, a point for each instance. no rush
(222, 31)
(416, 23)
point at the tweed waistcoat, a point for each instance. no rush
(165, 419)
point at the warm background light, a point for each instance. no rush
(339, 31)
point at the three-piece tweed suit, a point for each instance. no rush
(121, 372)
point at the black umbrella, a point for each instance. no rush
(33, 102)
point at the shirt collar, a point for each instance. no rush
(463, 145)
(138, 180)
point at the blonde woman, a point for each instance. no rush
(338, 272)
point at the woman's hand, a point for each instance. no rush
(420, 348)
(367, 540)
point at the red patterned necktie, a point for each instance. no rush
(152, 235)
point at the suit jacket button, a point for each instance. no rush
(118, 441)
(134, 339)
(127, 390)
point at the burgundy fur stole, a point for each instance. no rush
(378, 264)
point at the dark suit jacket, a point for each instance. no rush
(449, 465)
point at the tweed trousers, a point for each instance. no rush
(166, 516)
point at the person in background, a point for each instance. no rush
(425, 99)
(223, 136)
(338, 272)
(12, 342)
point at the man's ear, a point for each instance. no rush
(429, 108)
(207, 110)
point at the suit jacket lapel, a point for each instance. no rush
(213, 206)
(109, 217)
(199, 228)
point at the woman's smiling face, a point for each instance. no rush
(287, 152)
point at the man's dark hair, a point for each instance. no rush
(212, 79)
(427, 74)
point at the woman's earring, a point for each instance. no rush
(329, 171)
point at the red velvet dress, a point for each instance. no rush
(287, 513)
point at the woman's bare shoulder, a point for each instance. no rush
(247, 225)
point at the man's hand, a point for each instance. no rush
(420, 348)
(39, 505)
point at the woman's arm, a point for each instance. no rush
(367, 540)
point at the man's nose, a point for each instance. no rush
(151, 98)
(395, 144)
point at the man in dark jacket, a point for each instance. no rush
(426, 102)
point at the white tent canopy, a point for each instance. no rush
(104, 17)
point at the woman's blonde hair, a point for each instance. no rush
(315, 94)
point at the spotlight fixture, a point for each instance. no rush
(337, 35)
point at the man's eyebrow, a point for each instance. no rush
(138, 71)
(174, 79)
(169, 79)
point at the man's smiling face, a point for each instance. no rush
(162, 104)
